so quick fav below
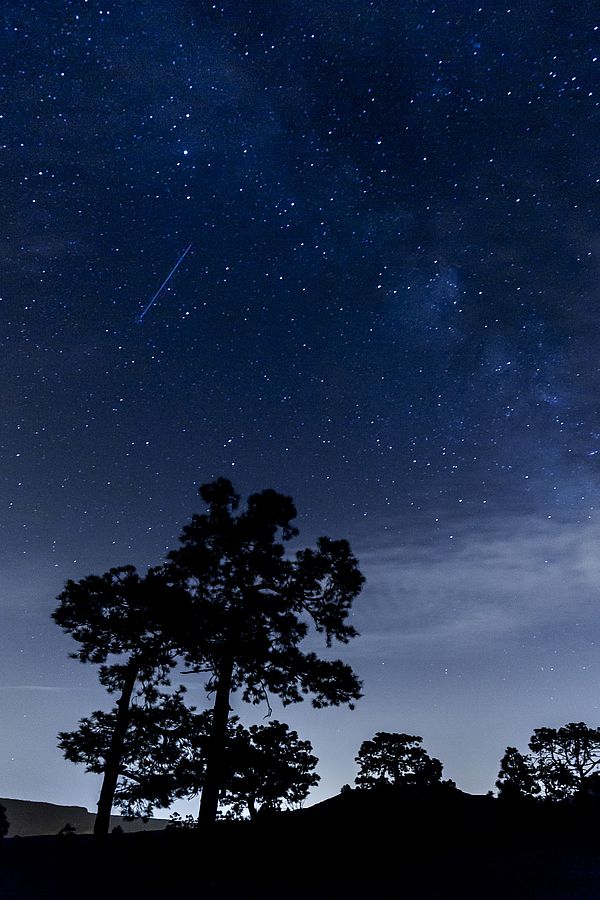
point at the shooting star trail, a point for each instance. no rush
(140, 318)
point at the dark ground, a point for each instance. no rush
(403, 845)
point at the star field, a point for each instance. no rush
(388, 311)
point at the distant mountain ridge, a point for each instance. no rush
(28, 818)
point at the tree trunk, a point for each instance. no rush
(115, 753)
(213, 781)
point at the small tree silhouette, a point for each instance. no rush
(4, 824)
(565, 757)
(268, 767)
(177, 823)
(397, 759)
(517, 777)
(67, 829)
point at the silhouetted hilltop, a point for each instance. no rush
(439, 813)
(29, 818)
(385, 801)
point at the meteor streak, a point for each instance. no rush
(165, 283)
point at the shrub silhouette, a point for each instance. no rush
(4, 823)
(177, 823)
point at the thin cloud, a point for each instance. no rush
(506, 576)
(32, 687)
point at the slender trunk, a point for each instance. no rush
(115, 753)
(213, 781)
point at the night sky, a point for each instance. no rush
(389, 311)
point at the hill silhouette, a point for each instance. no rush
(431, 843)
(28, 818)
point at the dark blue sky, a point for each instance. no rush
(389, 311)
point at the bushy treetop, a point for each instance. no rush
(396, 759)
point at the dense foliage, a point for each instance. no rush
(266, 767)
(164, 738)
(563, 762)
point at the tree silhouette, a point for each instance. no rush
(397, 759)
(563, 762)
(163, 744)
(4, 824)
(250, 609)
(268, 767)
(565, 758)
(164, 758)
(118, 616)
(517, 777)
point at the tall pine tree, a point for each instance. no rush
(250, 608)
